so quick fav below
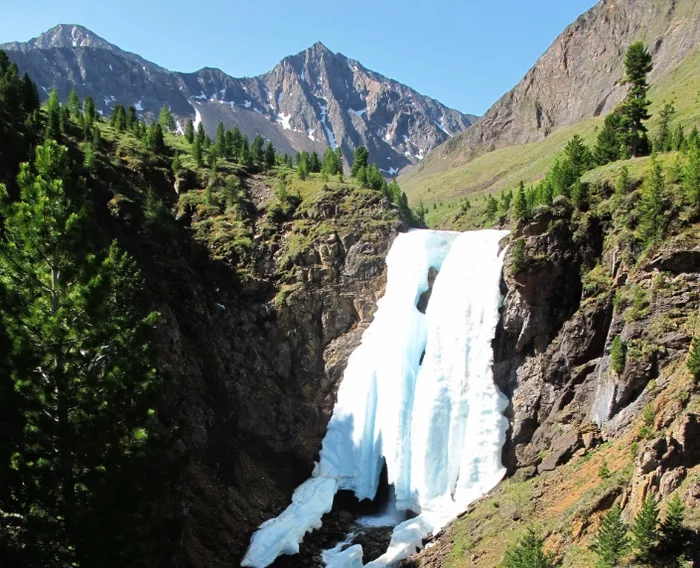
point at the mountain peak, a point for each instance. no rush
(68, 35)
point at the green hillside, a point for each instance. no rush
(442, 192)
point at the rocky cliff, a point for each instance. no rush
(579, 76)
(309, 101)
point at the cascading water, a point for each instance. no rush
(417, 395)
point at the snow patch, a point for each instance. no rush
(247, 104)
(138, 105)
(359, 113)
(201, 96)
(441, 126)
(311, 135)
(284, 119)
(329, 133)
(110, 67)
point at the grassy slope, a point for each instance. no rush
(505, 167)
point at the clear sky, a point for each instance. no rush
(465, 53)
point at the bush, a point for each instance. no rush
(693, 362)
(617, 355)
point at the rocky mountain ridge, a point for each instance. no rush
(309, 101)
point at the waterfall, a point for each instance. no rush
(417, 395)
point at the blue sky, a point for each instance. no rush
(465, 53)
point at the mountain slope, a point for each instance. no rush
(309, 101)
(578, 78)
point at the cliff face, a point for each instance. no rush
(254, 368)
(310, 101)
(579, 76)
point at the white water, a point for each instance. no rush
(439, 426)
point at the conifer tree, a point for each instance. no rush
(678, 138)
(90, 110)
(674, 535)
(635, 106)
(653, 222)
(118, 119)
(645, 530)
(303, 170)
(84, 381)
(197, 152)
(221, 140)
(257, 151)
(270, 156)
(54, 121)
(74, 106)
(359, 161)
(579, 155)
(177, 166)
(361, 176)
(132, 118)
(520, 208)
(236, 142)
(155, 139)
(201, 135)
(505, 201)
(189, 131)
(612, 542)
(528, 553)
(339, 160)
(314, 163)
(166, 119)
(609, 141)
(664, 142)
(245, 157)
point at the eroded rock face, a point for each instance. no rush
(552, 348)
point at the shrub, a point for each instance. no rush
(617, 355)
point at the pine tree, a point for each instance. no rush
(339, 160)
(314, 163)
(132, 118)
(270, 156)
(257, 151)
(221, 140)
(359, 161)
(528, 553)
(54, 122)
(617, 355)
(678, 138)
(176, 166)
(303, 170)
(197, 152)
(674, 535)
(155, 139)
(118, 119)
(520, 208)
(664, 142)
(236, 143)
(609, 141)
(635, 106)
(84, 381)
(201, 135)
(189, 131)
(579, 155)
(653, 204)
(612, 543)
(245, 157)
(690, 178)
(361, 176)
(166, 119)
(645, 530)
(74, 106)
(90, 110)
